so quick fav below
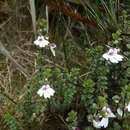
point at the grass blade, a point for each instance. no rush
(33, 14)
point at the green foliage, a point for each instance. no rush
(116, 36)
(87, 97)
(72, 116)
(71, 119)
(12, 123)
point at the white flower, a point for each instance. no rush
(128, 107)
(108, 114)
(120, 112)
(105, 118)
(46, 91)
(41, 41)
(112, 55)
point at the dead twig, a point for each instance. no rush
(6, 53)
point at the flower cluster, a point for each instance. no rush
(113, 56)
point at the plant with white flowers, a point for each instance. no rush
(113, 56)
(46, 91)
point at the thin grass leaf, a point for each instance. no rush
(113, 12)
(33, 14)
(47, 18)
(110, 11)
(95, 16)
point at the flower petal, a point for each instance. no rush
(53, 51)
(119, 57)
(128, 107)
(53, 45)
(96, 124)
(104, 122)
(113, 59)
(120, 112)
(40, 92)
(106, 56)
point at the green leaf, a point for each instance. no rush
(128, 46)
(72, 116)
(89, 83)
